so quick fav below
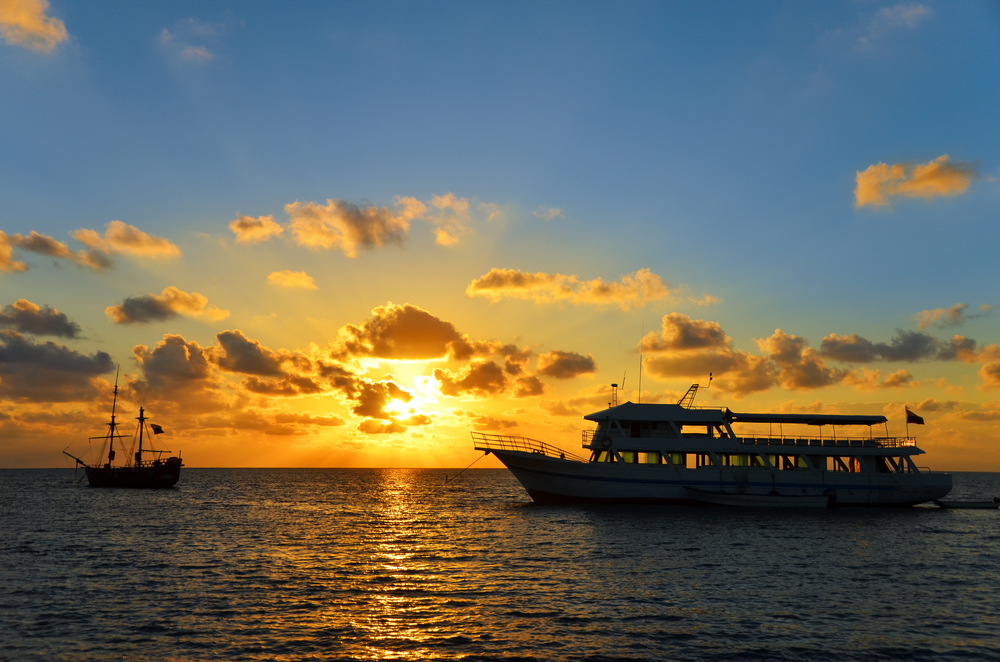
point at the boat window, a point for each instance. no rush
(678, 459)
(602, 456)
(848, 464)
(792, 462)
(628, 457)
(703, 460)
(651, 457)
(636, 428)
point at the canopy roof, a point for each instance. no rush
(631, 411)
(807, 419)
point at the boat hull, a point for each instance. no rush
(969, 505)
(554, 480)
(154, 475)
(753, 500)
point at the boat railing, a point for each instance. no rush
(844, 442)
(588, 436)
(506, 442)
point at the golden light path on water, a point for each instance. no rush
(394, 564)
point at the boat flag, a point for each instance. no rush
(159, 430)
(913, 418)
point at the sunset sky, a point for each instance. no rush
(346, 234)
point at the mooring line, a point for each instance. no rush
(448, 480)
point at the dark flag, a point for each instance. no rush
(158, 430)
(913, 418)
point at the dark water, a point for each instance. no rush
(387, 564)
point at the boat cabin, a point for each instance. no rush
(693, 438)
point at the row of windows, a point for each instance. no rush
(781, 462)
(638, 429)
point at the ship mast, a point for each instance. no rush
(111, 434)
(142, 424)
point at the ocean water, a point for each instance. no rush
(304, 564)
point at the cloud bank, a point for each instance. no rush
(940, 177)
(26, 23)
(27, 317)
(635, 289)
(167, 305)
(288, 278)
(127, 239)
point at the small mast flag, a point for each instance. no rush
(158, 430)
(913, 418)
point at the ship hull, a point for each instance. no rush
(153, 475)
(553, 480)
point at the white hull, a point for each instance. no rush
(550, 479)
(753, 500)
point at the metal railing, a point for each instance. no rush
(507, 442)
(848, 442)
(588, 436)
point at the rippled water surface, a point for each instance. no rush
(299, 564)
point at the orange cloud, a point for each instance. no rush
(957, 315)
(47, 372)
(478, 378)
(680, 332)
(635, 289)
(348, 227)
(453, 220)
(25, 23)
(288, 278)
(565, 365)
(164, 306)
(935, 178)
(704, 300)
(990, 374)
(528, 386)
(250, 230)
(129, 240)
(866, 379)
(799, 366)
(484, 423)
(45, 245)
(28, 317)
(7, 261)
(408, 332)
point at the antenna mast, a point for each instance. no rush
(640, 359)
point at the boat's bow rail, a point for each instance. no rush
(506, 442)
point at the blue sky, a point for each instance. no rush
(716, 144)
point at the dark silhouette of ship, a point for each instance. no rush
(135, 472)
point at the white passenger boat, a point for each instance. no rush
(659, 452)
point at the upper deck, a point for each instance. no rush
(676, 427)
